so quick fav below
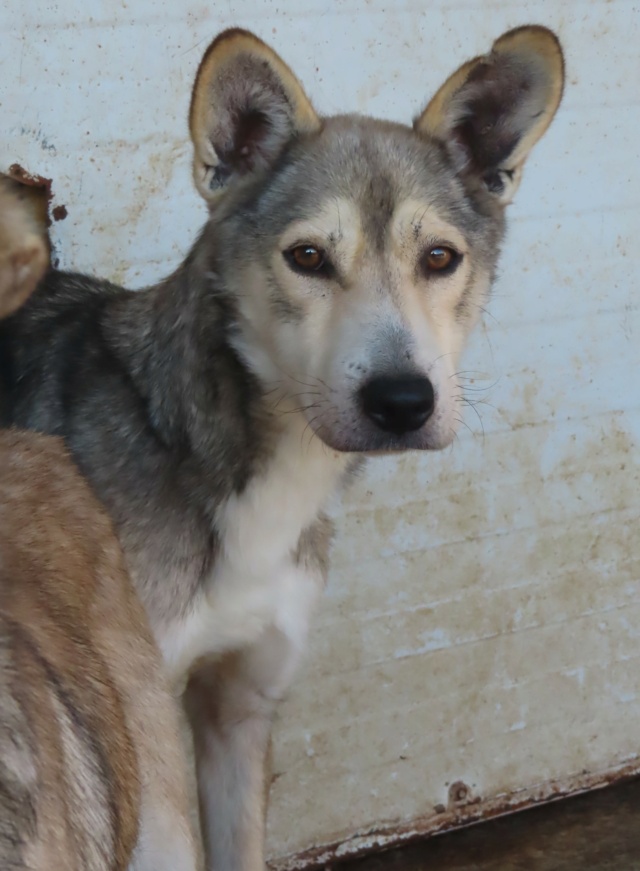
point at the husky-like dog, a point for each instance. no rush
(318, 317)
(91, 769)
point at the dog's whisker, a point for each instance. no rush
(471, 374)
(309, 426)
(442, 356)
(315, 378)
(468, 389)
(487, 313)
(301, 409)
(463, 423)
(477, 413)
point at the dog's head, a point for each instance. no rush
(361, 252)
(24, 252)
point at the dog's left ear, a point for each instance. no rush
(246, 106)
(24, 249)
(493, 110)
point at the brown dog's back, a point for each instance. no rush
(92, 775)
(67, 763)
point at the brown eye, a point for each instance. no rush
(306, 258)
(440, 259)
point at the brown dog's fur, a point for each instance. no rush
(91, 769)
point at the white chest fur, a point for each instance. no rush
(256, 584)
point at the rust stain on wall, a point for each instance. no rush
(462, 815)
(59, 213)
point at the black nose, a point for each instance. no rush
(398, 405)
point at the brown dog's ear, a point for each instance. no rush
(24, 252)
(493, 110)
(246, 106)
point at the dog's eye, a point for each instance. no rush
(306, 258)
(440, 259)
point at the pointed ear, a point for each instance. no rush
(24, 253)
(493, 110)
(246, 106)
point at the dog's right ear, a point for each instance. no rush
(246, 106)
(492, 111)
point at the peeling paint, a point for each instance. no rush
(389, 836)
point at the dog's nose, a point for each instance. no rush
(398, 405)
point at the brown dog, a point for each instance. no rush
(91, 768)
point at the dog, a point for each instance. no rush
(317, 320)
(92, 776)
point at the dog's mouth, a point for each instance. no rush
(364, 441)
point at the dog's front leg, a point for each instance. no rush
(230, 706)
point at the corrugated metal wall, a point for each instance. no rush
(482, 624)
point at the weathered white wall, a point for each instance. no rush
(483, 619)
